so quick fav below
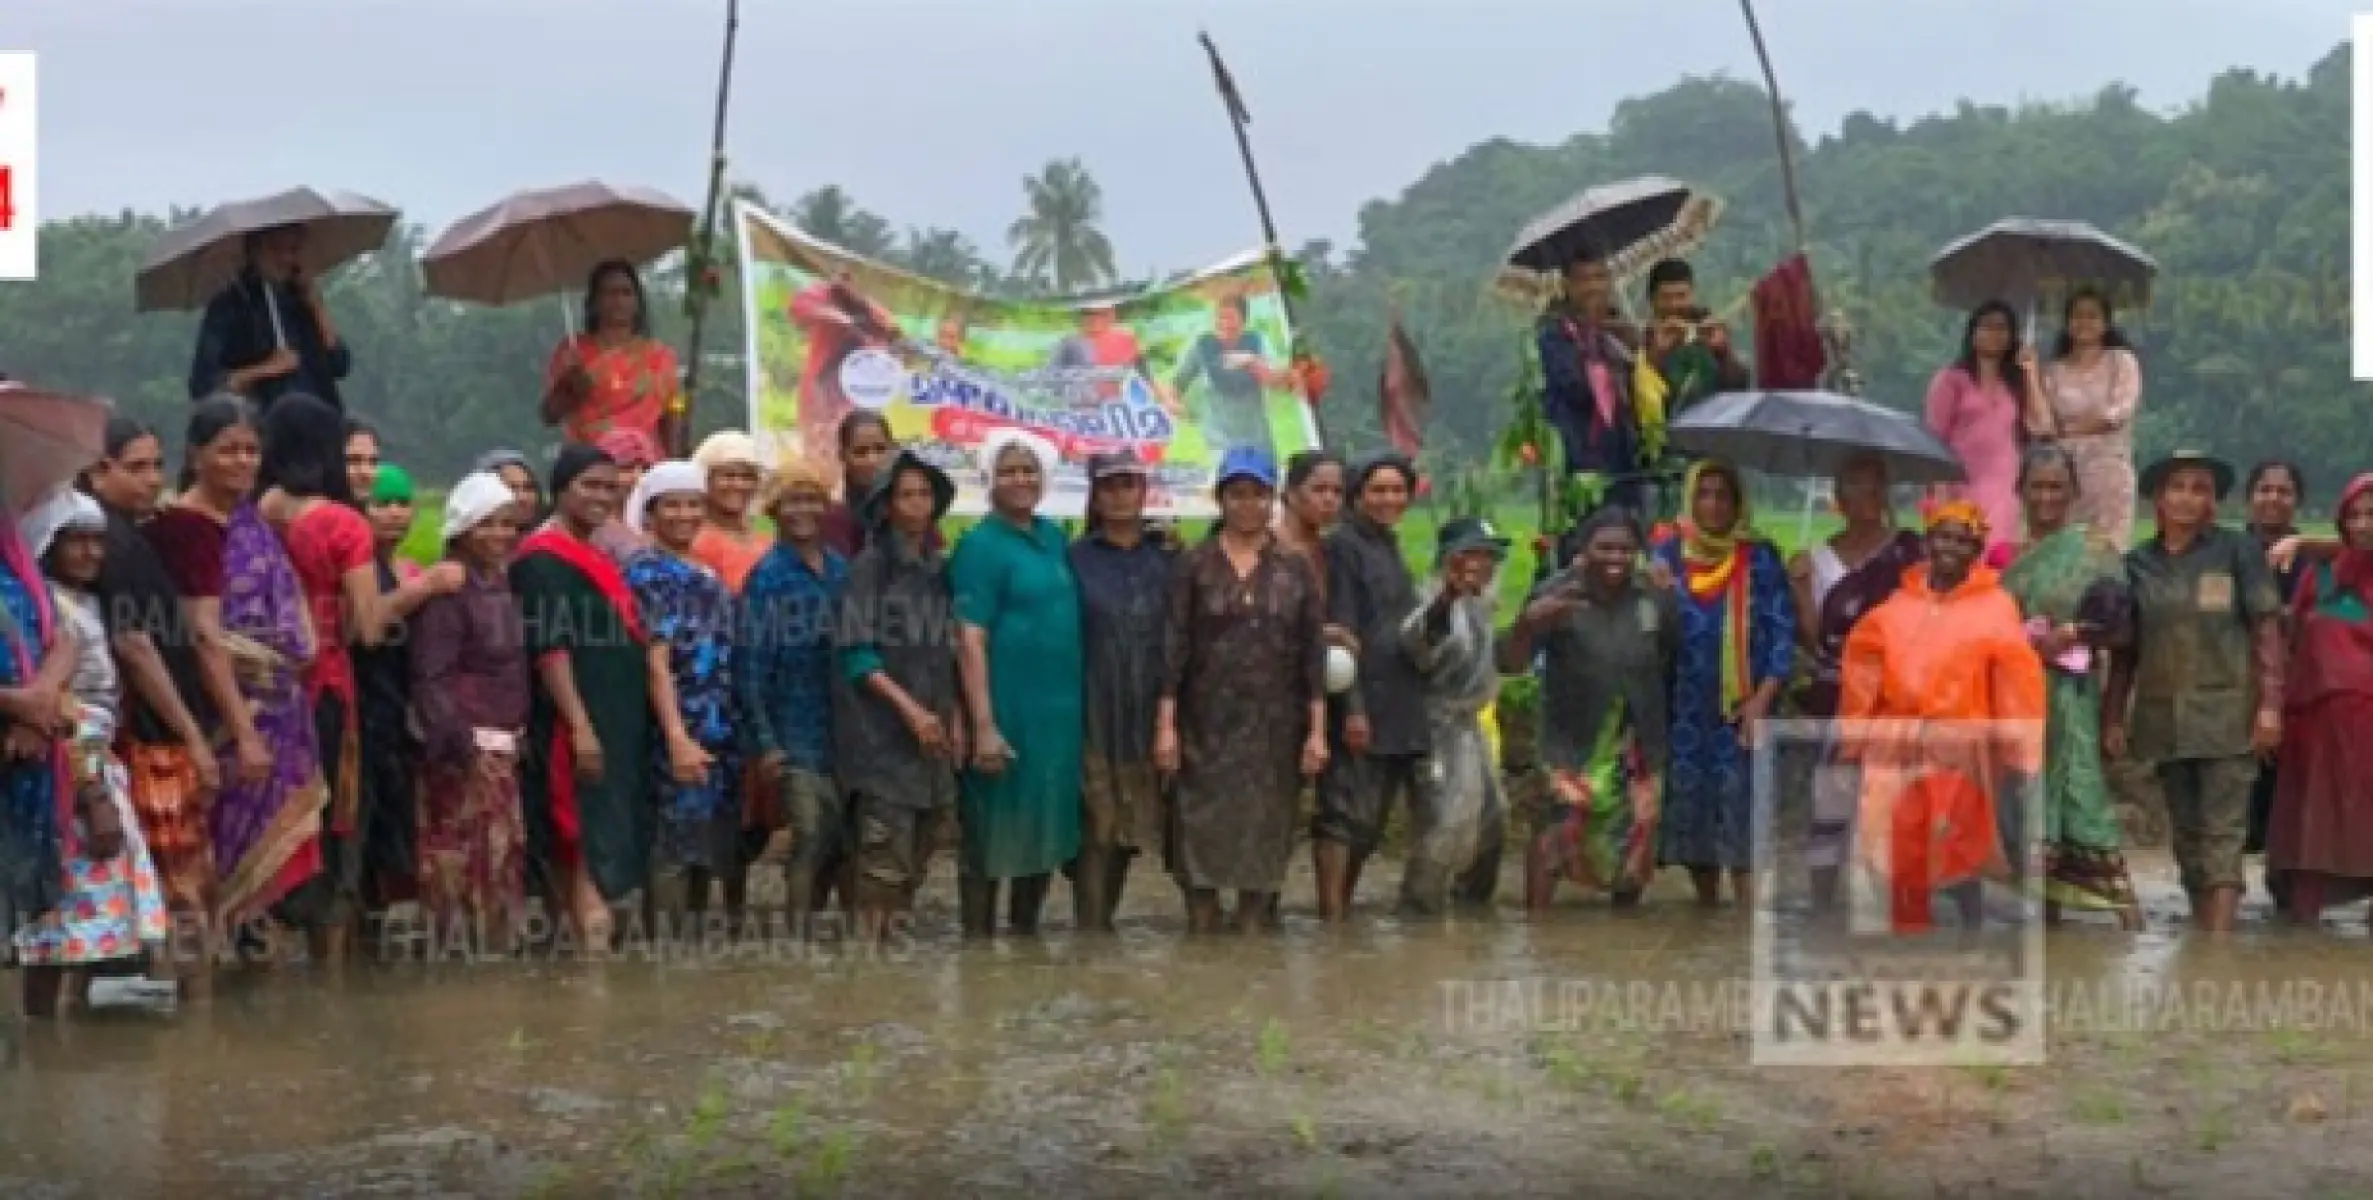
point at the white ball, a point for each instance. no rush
(1342, 669)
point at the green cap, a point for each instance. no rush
(393, 486)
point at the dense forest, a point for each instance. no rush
(2242, 195)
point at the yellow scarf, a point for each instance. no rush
(1649, 395)
(1720, 565)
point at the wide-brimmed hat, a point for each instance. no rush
(943, 489)
(1462, 534)
(2155, 475)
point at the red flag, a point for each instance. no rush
(1788, 353)
(1403, 394)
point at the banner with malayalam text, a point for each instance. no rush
(1177, 374)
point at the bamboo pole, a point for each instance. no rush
(679, 432)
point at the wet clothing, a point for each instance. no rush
(1943, 704)
(2208, 817)
(2195, 690)
(1246, 657)
(245, 322)
(137, 596)
(1371, 594)
(783, 656)
(2261, 797)
(1451, 646)
(389, 753)
(574, 604)
(731, 556)
(1743, 627)
(34, 796)
(1605, 733)
(1123, 620)
(894, 844)
(896, 618)
(1015, 585)
(845, 531)
(164, 790)
(684, 606)
(2052, 580)
(2323, 813)
(812, 806)
(470, 673)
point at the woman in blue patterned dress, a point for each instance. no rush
(1738, 644)
(37, 659)
(689, 614)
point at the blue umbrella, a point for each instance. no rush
(1811, 434)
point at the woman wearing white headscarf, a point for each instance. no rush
(1023, 666)
(470, 689)
(688, 612)
(112, 907)
(731, 473)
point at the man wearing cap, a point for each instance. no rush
(1449, 640)
(2204, 677)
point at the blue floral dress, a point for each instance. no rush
(1709, 813)
(686, 607)
(30, 868)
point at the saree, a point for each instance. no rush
(2083, 866)
(2320, 835)
(574, 603)
(267, 834)
(634, 385)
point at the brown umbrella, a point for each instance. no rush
(2022, 260)
(45, 439)
(191, 262)
(540, 242)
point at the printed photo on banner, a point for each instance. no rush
(1178, 374)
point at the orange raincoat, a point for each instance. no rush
(1918, 674)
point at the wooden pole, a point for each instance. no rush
(679, 432)
(1771, 86)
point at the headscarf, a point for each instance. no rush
(1965, 511)
(496, 460)
(628, 447)
(727, 448)
(998, 441)
(794, 470)
(2354, 571)
(1719, 564)
(392, 486)
(575, 459)
(66, 510)
(675, 477)
(478, 496)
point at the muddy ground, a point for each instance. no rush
(1383, 1060)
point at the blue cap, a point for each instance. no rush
(1245, 462)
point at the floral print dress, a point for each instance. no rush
(687, 608)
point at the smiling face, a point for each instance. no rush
(390, 523)
(1610, 557)
(1244, 506)
(133, 480)
(589, 499)
(1384, 496)
(362, 461)
(487, 546)
(731, 488)
(2187, 499)
(799, 513)
(2274, 499)
(1019, 484)
(2088, 322)
(227, 465)
(674, 520)
(1588, 286)
(2047, 495)
(1953, 547)
(76, 556)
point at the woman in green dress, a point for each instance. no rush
(2069, 582)
(587, 762)
(1022, 661)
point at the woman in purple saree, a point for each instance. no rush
(255, 639)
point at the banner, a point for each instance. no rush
(1177, 374)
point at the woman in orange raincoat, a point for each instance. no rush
(1943, 705)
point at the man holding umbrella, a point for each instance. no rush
(1586, 373)
(267, 333)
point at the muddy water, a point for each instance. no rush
(1478, 1057)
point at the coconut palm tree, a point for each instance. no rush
(829, 214)
(941, 254)
(1058, 242)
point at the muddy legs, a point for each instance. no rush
(1337, 878)
(976, 904)
(1025, 900)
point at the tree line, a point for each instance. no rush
(2241, 194)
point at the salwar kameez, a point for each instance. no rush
(685, 607)
(2052, 579)
(1745, 627)
(2109, 390)
(1016, 586)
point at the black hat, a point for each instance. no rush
(2155, 476)
(943, 489)
(1462, 534)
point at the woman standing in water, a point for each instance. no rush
(1312, 504)
(2321, 840)
(246, 607)
(588, 730)
(2092, 390)
(469, 670)
(2273, 490)
(1738, 645)
(1123, 571)
(865, 448)
(612, 374)
(1834, 585)
(1019, 608)
(690, 617)
(1610, 643)
(2070, 584)
(1979, 407)
(897, 715)
(729, 542)
(2202, 689)
(389, 750)
(38, 657)
(1242, 716)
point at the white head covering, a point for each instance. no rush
(478, 496)
(671, 478)
(728, 448)
(65, 509)
(994, 446)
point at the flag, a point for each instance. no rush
(1788, 352)
(1402, 393)
(1226, 84)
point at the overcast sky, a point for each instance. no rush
(931, 111)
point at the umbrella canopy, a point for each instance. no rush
(2022, 259)
(46, 438)
(1630, 224)
(1811, 434)
(540, 242)
(190, 263)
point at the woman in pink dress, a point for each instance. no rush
(2092, 389)
(1977, 406)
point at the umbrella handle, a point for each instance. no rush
(272, 309)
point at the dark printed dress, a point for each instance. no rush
(1246, 658)
(685, 607)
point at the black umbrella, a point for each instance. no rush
(1619, 222)
(2021, 260)
(1811, 435)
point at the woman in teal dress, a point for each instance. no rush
(1023, 677)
